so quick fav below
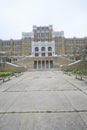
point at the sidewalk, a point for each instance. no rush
(43, 100)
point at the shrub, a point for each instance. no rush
(4, 74)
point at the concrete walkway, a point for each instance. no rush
(43, 100)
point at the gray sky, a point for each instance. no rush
(17, 16)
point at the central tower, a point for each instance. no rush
(43, 33)
(43, 44)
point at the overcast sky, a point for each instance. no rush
(17, 16)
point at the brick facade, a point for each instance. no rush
(23, 47)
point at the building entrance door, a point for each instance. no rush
(44, 64)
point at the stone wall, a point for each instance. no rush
(79, 65)
(8, 67)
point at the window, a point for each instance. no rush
(36, 54)
(43, 49)
(43, 54)
(47, 35)
(42, 35)
(49, 48)
(36, 49)
(49, 54)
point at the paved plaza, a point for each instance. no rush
(43, 100)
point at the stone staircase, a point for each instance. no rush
(80, 64)
(10, 67)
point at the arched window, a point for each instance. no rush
(42, 48)
(49, 48)
(36, 49)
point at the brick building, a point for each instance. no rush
(43, 47)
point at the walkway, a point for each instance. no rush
(43, 100)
